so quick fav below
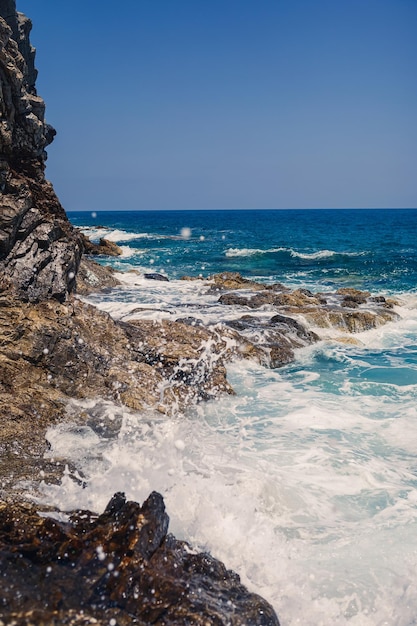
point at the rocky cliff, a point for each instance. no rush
(39, 250)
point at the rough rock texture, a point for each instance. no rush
(51, 352)
(347, 310)
(93, 277)
(118, 568)
(275, 338)
(39, 250)
(103, 247)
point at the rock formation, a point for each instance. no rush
(347, 310)
(117, 568)
(39, 250)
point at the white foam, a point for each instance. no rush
(116, 235)
(318, 489)
(320, 254)
(304, 482)
(242, 252)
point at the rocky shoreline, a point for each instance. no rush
(122, 566)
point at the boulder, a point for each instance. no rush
(103, 248)
(120, 567)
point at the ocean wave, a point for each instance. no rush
(128, 252)
(320, 254)
(234, 252)
(115, 235)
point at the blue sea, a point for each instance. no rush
(305, 481)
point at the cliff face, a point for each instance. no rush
(39, 250)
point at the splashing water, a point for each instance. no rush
(305, 482)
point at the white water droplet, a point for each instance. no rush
(185, 232)
(179, 444)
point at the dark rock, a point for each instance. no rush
(276, 338)
(154, 276)
(39, 249)
(190, 321)
(121, 565)
(292, 325)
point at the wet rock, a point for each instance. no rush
(274, 339)
(354, 294)
(51, 352)
(102, 248)
(349, 310)
(154, 276)
(191, 358)
(120, 565)
(234, 281)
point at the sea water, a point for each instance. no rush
(305, 481)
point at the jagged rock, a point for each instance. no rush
(103, 247)
(191, 357)
(119, 567)
(39, 249)
(51, 352)
(234, 281)
(93, 277)
(274, 339)
(347, 309)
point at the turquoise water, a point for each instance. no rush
(305, 481)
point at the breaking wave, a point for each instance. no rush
(320, 254)
(116, 235)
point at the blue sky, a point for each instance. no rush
(190, 104)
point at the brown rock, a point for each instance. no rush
(104, 247)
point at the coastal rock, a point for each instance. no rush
(78, 351)
(191, 358)
(274, 339)
(155, 276)
(347, 310)
(103, 247)
(93, 277)
(39, 250)
(234, 281)
(119, 567)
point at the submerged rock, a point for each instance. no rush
(120, 567)
(155, 276)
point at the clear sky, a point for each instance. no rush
(190, 104)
